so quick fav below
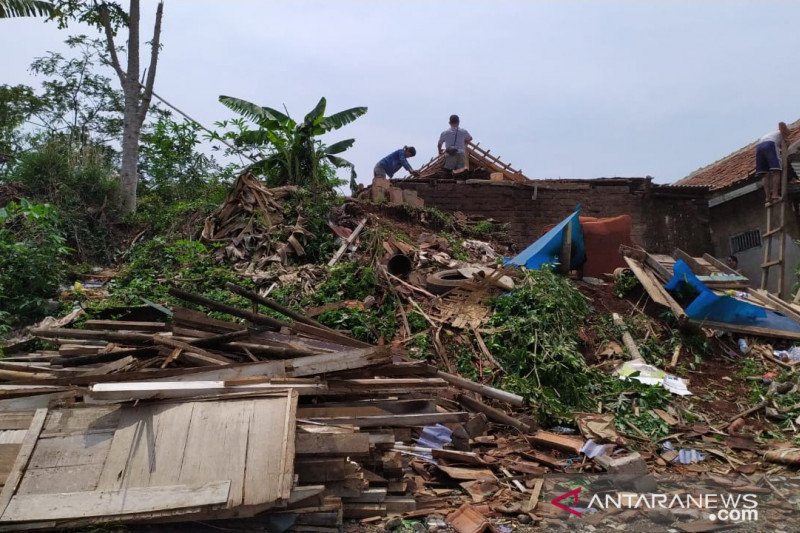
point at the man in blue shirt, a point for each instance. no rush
(392, 162)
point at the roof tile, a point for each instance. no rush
(731, 169)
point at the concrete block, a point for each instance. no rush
(377, 194)
(628, 465)
(380, 181)
(395, 195)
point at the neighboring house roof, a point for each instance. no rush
(732, 169)
(478, 159)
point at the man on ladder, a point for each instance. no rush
(768, 161)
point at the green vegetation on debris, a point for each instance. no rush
(33, 255)
(538, 342)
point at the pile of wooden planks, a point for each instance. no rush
(195, 417)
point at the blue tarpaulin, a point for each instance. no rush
(725, 309)
(547, 248)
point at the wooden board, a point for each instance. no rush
(423, 419)
(249, 442)
(122, 325)
(21, 462)
(748, 330)
(64, 506)
(323, 444)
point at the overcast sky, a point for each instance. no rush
(571, 89)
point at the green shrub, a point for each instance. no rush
(32, 260)
(79, 183)
(156, 265)
(538, 343)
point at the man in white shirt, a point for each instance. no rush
(768, 161)
(455, 141)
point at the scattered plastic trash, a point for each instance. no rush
(685, 455)
(743, 347)
(434, 437)
(767, 377)
(792, 354)
(650, 375)
(563, 430)
(591, 449)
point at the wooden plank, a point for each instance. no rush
(123, 448)
(484, 390)
(71, 450)
(654, 288)
(24, 455)
(16, 419)
(270, 452)
(110, 368)
(218, 430)
(696, 266)
(76, 478)
(29, 403)
(229, 372)
(79, 349)
(123, 325)
(559, 442)
(146, 390)
(8, 455)
(192, 352)
(722, 267)
(493, 414)
(322, 444)
(748, 330)
(312, 470)
(454, 456)
(396, 420)
(335, 362)
(202, 321)
(24, 508)
(81, 420)
(324, 411)
(347, 242)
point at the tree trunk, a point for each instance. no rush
(137, 96)
(128, 172)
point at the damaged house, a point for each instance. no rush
(719, 209)
(663, 217)
(737, 215)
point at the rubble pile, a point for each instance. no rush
(276, 417)
(252, 226)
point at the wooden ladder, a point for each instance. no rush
(776, 232)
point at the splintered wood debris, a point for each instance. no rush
(202, 418)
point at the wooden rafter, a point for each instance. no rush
(477, 157)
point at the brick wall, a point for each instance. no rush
(663, 217)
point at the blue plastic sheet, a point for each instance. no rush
(547, 248)
(725, 309)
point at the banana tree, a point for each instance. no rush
(25, 8)
(290, 152)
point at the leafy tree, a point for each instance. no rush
(25, 8)
(78, 101)
(289, 152)
(17, 104)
